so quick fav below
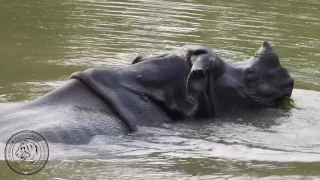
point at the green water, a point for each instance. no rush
(43, 42)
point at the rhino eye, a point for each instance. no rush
(250, 74)
(250, 77)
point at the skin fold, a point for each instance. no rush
(189, 83)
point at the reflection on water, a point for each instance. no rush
(43, 42)
(48, 40)
(277, 144)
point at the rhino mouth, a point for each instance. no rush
(267, 101)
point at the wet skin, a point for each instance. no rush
(191, 82)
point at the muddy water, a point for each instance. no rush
(43, 42)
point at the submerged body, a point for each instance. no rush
(188, 83)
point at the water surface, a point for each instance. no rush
(43, 42)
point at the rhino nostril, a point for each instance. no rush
(288, 84)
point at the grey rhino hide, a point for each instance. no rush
(114, 101)
(149, 93)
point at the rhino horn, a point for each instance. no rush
(265, 49)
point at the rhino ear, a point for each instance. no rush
(199, 74)
(137, 60)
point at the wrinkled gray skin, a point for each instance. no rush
(188, 83)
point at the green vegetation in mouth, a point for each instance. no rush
(287, 103)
